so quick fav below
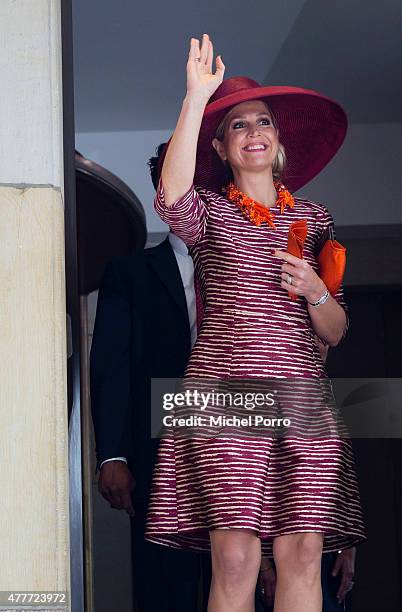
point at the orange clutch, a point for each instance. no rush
(330, 254)
(331, 261)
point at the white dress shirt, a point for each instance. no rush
(186, 268)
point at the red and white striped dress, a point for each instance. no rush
(251, 329)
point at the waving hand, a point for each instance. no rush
(201, 81)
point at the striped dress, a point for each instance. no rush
(253, 334)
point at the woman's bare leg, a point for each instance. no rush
(298, 572)
(236, 558)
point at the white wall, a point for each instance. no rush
(361, 186)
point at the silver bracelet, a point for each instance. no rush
(322, 299)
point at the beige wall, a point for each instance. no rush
(34, 518)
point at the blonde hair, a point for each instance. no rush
(279, 164)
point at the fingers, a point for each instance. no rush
(296, 286)
(345, 585)
(220, 66)
(290, 288)
(200, 73)
(344, 565)
(210, 56)
(111, 493)
(127, 504)
(337, 565)
(204, 48)
(205, 53)
(194, 49)
(293, 269)
(285, 277)
(295, 273)
(119, 499)
(116, 484)
(292, 259)
(302, 277)
(114, 498)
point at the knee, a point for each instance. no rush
(301, 554)
(309, 551)
(235, 563)
(232, 562)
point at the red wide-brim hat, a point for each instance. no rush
(312, 128)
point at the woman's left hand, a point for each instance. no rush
(305, 281)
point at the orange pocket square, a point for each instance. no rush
(296, 238)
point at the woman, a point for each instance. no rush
(289, 497)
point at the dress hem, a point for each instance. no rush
(184, 539)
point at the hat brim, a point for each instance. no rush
(312, 128)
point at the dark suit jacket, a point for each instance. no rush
(141, 331)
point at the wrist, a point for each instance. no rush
(112, 460)
(315, 295)
(195, 101)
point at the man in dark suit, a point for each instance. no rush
(144, 328)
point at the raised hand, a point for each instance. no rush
(201, 82)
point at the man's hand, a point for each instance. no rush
(267, 582)
(345, 563)
(116, 484)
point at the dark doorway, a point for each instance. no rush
(372, 349)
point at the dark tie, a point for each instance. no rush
(199, 306)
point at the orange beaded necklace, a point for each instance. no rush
(254, 211)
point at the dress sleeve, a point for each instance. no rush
(325, 221)
(187, 216)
